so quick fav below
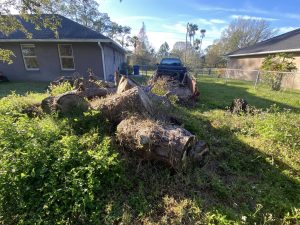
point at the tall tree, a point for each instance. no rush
(125, 31)
(192, 29)
(163, 50)
(133, 41)
(246, 32)
(82, 11)
(102, 23)
(240, 33)
(143, 38)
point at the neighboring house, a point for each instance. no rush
(45, 57)
(251, 58)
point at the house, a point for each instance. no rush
(245, 61)
(45, 56)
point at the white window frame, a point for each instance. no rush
(24, 56)
(69, 57)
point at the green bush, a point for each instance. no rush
(125, 67)
(50, 175)
(281, 62)
(14, 103)
(60, 89)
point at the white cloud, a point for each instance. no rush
(252, 17)
(292, 16)
(179, 27)
(135, 19)
(217, 21)
(246, 9)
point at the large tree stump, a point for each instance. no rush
(67, 103)
(133, 101)
(154, 140)
(125, 84)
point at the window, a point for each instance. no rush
(66, 57)
(171, 61)
(29, 57)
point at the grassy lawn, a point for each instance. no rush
(73, 173)
(22, 88)
(216, 93)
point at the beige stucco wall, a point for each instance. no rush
(244, 65)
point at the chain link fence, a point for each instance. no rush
(290, 80)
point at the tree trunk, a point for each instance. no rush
(125, 84)
(68, 103)
(91, 93)
(133, 101)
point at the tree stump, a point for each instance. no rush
(67, 103)
(239, 106)
(153, 140)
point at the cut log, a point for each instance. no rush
(134, 101)
(47, 105)
(125, 84)
(70, 103)
(91, 93)
(67, 103)
(153, 140)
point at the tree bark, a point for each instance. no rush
(133, 101)
(93, 92)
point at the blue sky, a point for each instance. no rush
(166, 19)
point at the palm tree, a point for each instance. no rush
(134, 41)
(192, 31)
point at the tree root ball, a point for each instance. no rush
(153, 140)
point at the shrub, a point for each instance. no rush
(278, 63)
(49, 175)
(125, 67)
(60, 88)
(14, 103)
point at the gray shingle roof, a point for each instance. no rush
(68, 30)
(287, 42)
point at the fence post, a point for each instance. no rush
(226, 75)
(257, 79)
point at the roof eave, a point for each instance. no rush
(55, 40)
(265, 52)
(65, 40)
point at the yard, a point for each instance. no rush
(68, 170)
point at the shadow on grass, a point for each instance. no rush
(216, 94)
(238, 181)
(22, 88)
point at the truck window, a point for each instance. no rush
(174, 62)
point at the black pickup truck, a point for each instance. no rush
(171, 67)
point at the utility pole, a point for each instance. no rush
(186, 39)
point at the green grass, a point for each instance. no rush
(22, 87)
(216, 93)
(72, 172)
